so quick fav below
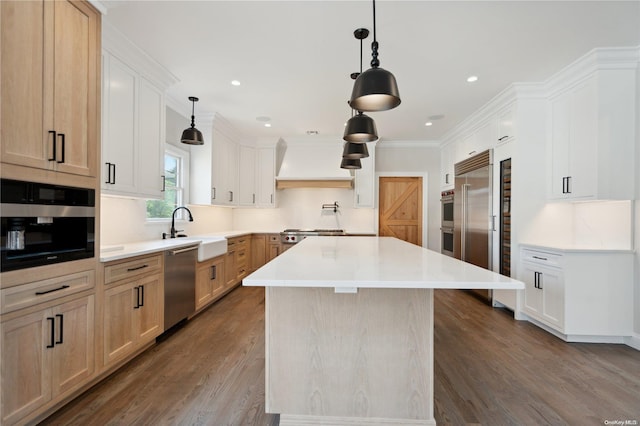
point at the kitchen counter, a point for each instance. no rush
(123, 251)
(349, 329)
(369, 262)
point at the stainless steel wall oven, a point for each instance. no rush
(44, 224)
(446, 229)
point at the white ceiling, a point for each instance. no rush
(294, 58)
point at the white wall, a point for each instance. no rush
(302, 208)
(421, 159)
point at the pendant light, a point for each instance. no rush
(192, 136)
(350, 163)
(376, 88)
(355, 150)
(360, 128)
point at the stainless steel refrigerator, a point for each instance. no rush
(473, 213)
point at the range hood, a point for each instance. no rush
(313, 165)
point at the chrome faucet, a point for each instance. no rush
(173, 230)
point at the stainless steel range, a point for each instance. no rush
(292, 236)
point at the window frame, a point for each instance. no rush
(184, 158)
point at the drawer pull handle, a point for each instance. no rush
(40, 293)
(137, 268)
(502, 138)
(540, 258)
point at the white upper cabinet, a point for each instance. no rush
(247, 177)
(266, 177)
(215, 165)
(506, 125)
(592, 138)
(365, 182)
(447, 160)
(133, 119)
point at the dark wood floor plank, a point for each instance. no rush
(489, 370)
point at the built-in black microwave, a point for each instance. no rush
(44, 224)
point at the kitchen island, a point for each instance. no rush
(349, 329)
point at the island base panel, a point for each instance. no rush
(349, 359)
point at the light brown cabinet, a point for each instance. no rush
(210, 281)
(258, 251)
(133, 306)
(237, 259)
(50, 85)
(46, 355)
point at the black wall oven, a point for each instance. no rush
(44, 224)
(446, 228)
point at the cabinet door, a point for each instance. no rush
(217, 277)
(247, 177)
(365, 184)
(119, 338)
(266, 177)
(553, 296)
(506, 125)
(205, 276)
(583, 145)
(560, 141)
(532, 295)
(446, 165)
(258, 251)
(150, 140)
(25, 140)
(26, 382)
(119, 131)
(231, 179)
(73, 361)
(74, 86)
(274, 251)
(149, 320)
(231, 267)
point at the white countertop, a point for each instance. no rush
(371, 262)
(123, 251)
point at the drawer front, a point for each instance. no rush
(549, 259)
(23, 296)
(132, 268)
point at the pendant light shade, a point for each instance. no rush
(350, 163)
(355, 150)
(375, 89)
(191, 135)
(360, 129)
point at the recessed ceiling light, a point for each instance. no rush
(267, 124)
(235, 82)
(428, 123)
(472, 78)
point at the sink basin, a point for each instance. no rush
(211, 247)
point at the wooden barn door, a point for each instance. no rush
(400, 208)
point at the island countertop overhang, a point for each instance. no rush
(347, 264)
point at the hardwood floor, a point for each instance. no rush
(489, 370)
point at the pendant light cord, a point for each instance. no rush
(193, 117)
(375, 63)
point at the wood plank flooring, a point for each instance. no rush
(489, 370)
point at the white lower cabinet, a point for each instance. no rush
(580, 295)
(544, 294)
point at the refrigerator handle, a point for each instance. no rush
(493, 223)
(463, 227)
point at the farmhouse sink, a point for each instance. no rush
(211, 247)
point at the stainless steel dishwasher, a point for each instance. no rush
(179, 284)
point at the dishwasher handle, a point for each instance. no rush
(184, 250)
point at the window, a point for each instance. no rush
(176, 184)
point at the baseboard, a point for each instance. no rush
(633, 341)
(301, 420)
